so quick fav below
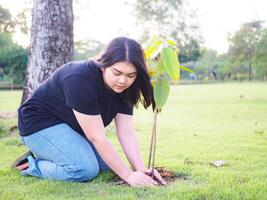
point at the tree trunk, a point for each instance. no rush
(51, 42)
(250, 52)
(249, 71)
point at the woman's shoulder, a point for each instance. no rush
(81, 65)
(85, 68)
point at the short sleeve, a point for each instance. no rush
(81, 94)
(124, 107)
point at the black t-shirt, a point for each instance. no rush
(76, 85)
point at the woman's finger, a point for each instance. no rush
(159, 178)
(153, 181)
(150, 180)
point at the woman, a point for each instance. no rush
(63, 122)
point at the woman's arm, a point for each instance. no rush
(92, 126)
(128, 140)
(129, 143)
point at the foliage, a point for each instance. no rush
(244, 42)
(190, 51)
(5, 40)
(5, 20)
(174, 20)
(13, 59)
(260, 57)
(20, 22)
(206, 62)
(224, 68)
(87, 49)
(213, 66)
(162, 58)
(246, 56)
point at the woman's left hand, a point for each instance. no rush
(157, 176)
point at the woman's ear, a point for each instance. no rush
(102, 69)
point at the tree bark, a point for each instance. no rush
(249, 70)
(250, 53)
(51, 42)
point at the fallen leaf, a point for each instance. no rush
(219, 163)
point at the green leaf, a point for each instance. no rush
(171, 63)
(152, 46)
(185, 69)
(160, 66)
(161, 92)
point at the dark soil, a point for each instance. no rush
(168, 175)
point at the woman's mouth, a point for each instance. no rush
(120, 87)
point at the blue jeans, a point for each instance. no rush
(63, 154)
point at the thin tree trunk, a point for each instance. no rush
(250, 70)
(250, 64)
(51, 41)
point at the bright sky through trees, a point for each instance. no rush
(103, 20)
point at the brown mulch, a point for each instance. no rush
(168, 175)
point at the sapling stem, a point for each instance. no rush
(151, 160)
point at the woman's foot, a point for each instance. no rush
(21, 163)
(22, 166)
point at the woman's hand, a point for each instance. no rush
(140, 179)
(157, 176)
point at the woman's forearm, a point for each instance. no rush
(132, 151)
(111, 157)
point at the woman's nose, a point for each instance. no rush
(122, 80)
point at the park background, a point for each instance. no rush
(216, 112)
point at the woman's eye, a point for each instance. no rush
(116, 73)
(132, 76)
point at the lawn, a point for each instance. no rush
(199, 124)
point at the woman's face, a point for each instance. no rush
(119, 76)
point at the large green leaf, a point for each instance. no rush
(171, 63)
(160, 66)
(161, 92)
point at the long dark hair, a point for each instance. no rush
(124, 49)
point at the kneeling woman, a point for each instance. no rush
(63, 122)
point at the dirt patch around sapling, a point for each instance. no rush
(168, 175)
(171, 176)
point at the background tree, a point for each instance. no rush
(224, 68)
(13, 60)
(207, 61)
(85, 49)
(22, 20)
(51, 42)
(243, 44)
(260, 57)
(173, 19)
(211, 66)
(6, 24)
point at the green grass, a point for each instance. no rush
(199, 124)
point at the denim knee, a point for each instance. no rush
(83, 173)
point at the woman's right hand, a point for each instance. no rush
(140, 179)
